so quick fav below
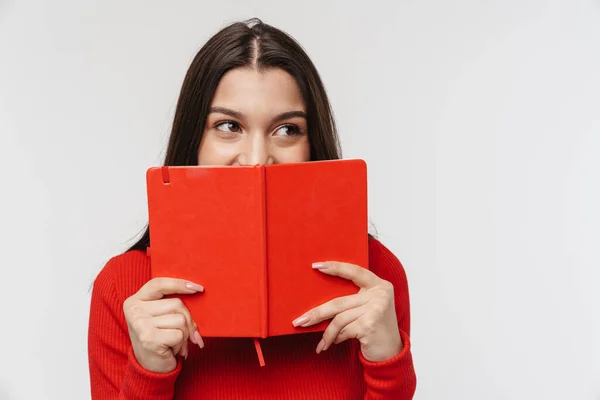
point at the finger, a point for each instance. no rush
(175, 321)
(157, 288)
(171, 306)
(198, 339)
(330, 309)
(350, 331)
(340, 322)
(169, 338)
(182, 349)
(171, 321)
(361, 277)
(185, 349)
(157, 307)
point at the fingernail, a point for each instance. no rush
(198, 339)
(301, 320)
(192, 339)
(320, 346)
(194, 286)
(320, 265)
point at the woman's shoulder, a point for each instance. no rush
(124, 274)
(379, 253)
(384, 263)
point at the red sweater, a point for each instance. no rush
(228, 368)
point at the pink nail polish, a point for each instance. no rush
(194, 287)
(320, 346)
(198, 339)
(301, 320)
(320, 265)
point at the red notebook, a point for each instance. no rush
(250, 234)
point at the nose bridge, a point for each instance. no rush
(257, 151)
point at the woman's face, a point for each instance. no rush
(255, 118)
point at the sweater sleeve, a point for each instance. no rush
(394, 378)
(114, 371)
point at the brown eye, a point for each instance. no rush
(288, 130)
(228, 126)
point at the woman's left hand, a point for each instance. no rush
(369, 315)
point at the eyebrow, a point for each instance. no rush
(239, 115)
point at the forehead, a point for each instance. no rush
(250, 90)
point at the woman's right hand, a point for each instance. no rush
(159, 328)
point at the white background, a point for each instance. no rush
(480, 121)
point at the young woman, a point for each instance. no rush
(251, 96)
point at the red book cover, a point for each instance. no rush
(250, 234)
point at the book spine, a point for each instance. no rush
(263, 283)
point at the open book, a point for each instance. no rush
(250, 234)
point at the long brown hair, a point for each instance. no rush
(251, 44)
